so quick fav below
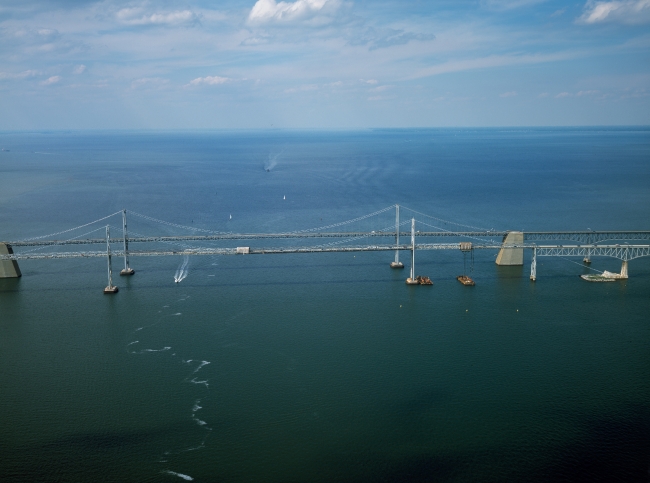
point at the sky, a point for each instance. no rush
(322, 64)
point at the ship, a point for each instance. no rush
(465, 280)
(603, 277)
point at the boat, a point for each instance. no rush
(597, 278)
(465, 280)
(603, 277)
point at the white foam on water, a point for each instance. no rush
(177, 313)
(155, 350)
(200, 422)
(210, 275)
(139, 328)
(165, 306)
(194, 381)
(180, 475)
(203, 363)
(194, 448)
(131, 343)
(196, 406)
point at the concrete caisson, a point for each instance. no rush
(8, 268)
(511, 256)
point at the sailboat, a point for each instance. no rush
(284, 197)
(231, 216)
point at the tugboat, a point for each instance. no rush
(465, 280)
(422, 280)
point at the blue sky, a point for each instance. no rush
(79, 64)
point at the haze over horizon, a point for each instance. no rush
(112, 64)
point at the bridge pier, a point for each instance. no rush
(533, 266)
(396, 263)
(110, 288)
(412, 280)
(8, 268)
(511, 256)
(127, 270)
(624, 269)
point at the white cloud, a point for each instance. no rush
(303, 88)
(491, 62)
(18, 75)
(622, 11)
(137, 16)
(209, 80)
(79, 69)
(562, 94)
(265, 11)
(508, 94)
(149, 82)
(52, 80)
(509, 4)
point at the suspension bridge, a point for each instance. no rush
(388, 237)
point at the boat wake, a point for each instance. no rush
(181, 273)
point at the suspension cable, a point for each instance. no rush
(341, 223)
(449, 231)
(445, 221)
(63, 241)
(71, 229)
(177, 225)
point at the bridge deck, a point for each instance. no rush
(579, 236)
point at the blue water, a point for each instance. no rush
(324, 367)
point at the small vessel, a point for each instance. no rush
(422, 280)
(597, 278)
(465, 280)
(284, 197)
(231, 216)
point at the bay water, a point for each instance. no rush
(324, 367)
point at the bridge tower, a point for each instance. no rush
(110, 288)
(533, 266)
(412, 280)
(396, 263)
(127, 270)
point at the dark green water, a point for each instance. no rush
(325, 367)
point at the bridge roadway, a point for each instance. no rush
(623, 252)
(588, 237)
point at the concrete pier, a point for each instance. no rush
(8, 268)
(511, 256)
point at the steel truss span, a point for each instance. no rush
(622, 252)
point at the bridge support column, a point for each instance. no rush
(511, 256)
(127, 270)
(396, 263)
(624, 269)
(110, 288)
(412, 280)
(533, 266)
(587, 258)
(8, 268)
